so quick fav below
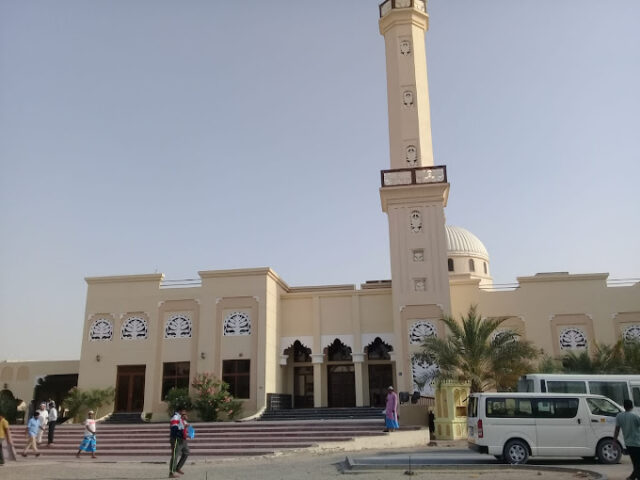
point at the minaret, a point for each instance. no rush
(414, 192)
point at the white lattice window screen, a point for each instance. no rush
(237, 323)
(631, 334)
(178, 326)
(135, 328)
(101, 329)
(421, 330)
(501, 331)
(572, 338)
(423, 373)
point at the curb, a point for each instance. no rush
(352, 466)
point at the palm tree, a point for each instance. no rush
(620, 357)
(476, 351)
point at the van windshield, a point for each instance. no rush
(602, 406)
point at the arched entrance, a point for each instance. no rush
(302, 375)
(380, 370)
(341, 380)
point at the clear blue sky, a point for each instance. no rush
(177, 136)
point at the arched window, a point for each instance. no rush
(178, 326)
(450, 264)
(485, 267)
(421, 330)
(101, 329)
(135, 328)
(236, 323)
(472, 265)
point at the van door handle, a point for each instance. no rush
(594, 421)
(579, 421)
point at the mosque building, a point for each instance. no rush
(336, 345)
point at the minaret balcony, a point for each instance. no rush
(414, 176)
(388, 5)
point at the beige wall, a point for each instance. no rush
(545, 304)
(539, 308)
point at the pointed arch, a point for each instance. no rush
(299, 352)
(338, 352)
(378, 350)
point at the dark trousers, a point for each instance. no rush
(179, 448)
(1, 454)
(51, 432)
(634, 453)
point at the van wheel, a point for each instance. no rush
(516, 452)
(608, 451)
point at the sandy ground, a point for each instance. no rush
(291, 465)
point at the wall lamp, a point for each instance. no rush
(203, 355)
(98, 357)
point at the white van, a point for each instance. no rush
(514, 426)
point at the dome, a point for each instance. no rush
(461, 242)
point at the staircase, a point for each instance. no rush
(212, 439)
(356, 413)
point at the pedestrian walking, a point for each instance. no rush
(179, 446)
(391, 411)
(432, 425)
(33, 428)
(5, 434)
(43, 417)
(629, 423)
(89, 440)
(53, 419)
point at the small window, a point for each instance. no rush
(636, 396)
(174, 374)
(450, 264)
(237, 374)
(485, 267)
(472, 265)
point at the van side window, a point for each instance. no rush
(556, 407)
(509, 407)
(616, 391)
(564, 386)
(601, 406)
(636, 396)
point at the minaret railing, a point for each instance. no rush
(414, 176)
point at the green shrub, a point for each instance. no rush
(178, 399)
(212, 398)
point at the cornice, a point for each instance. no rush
(149, 277)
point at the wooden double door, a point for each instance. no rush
(380, 378)
(130, 388)
(341, 381)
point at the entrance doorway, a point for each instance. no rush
(341, 381)
(130, 388)
(303, 387)
(380, 377)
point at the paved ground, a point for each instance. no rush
(306, 465)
